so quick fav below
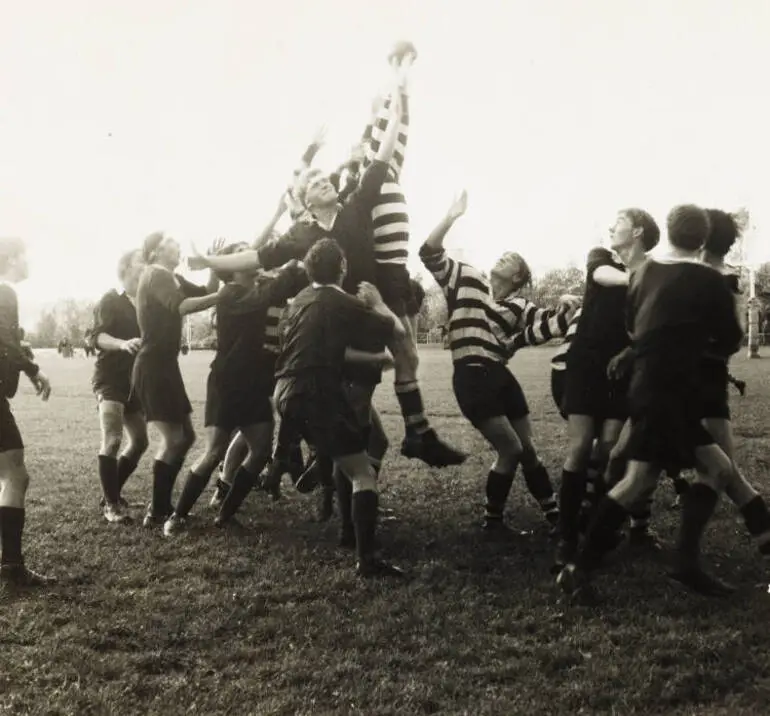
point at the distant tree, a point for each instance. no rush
(46, 331)
(762, 278)
(547, 289)
(433, 312)
(75, 317)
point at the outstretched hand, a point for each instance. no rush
(458, 207)
(196, 261)
(319, 138)
(216, 246)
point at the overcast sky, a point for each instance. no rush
(120, 118)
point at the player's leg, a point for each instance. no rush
(135, 427)
(259, 439)
(420, 440)
(236, 453)
(602, 534)
(14, 481)
(198, 478)
(714, 470)
(581, 431)
(111, 413)
(176, 440)
(749, 502)
(536, 475)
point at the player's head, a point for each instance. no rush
(237, 276)
(631, 226)
(325, 263)
(130, 267)
(509, 274)
(314, 190)
(13, 259)
(723, 233)
(688, 227)
(161, 249)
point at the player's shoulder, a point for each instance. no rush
(602, 256)
(109, 297)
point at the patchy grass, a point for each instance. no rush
(274, 622)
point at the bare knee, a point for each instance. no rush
(111, 444)
(579, 452)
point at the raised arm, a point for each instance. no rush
(435, 241)
(599, 269)
(267, 232)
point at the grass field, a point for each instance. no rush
(275, 622)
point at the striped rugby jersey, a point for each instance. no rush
(534, 327)
(559, 360)
(390, 218)
(480, 329)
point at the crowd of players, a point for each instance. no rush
(308, 321)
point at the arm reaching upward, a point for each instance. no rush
(435, 241)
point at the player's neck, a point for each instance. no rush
(632, 256)
(325, 215)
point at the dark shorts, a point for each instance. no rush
(321, 411)
(715, 401)
(232, 410)
(488, 391)
(558, 384)
(666, 429)
(158, 386)
(10, 437)
(118, 394)
(395, 288)
(588, 391)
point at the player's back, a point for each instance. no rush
(677, 309)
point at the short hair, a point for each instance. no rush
(516, 269)
(324, 262)
(10, 248)
(641, 219)
(227, 276)
(125, 261)
(688, 227)
(723, 234)
(301, 183)
(150, 246)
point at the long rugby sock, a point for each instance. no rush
(108, 477)
(11, 529)
(571, 493)
(539, 485)
(243, 482)
(410, 401)
(365, 522)
(126, 467)
(344, 501)
(757, 519)
(163, 478)
(602, 534)
(698, 507)
(498, 489)
(193, 488)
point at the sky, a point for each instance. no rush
(118, 118)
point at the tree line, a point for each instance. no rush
(71, 318)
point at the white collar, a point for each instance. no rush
(327, 285)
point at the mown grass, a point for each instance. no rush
(274, 621)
